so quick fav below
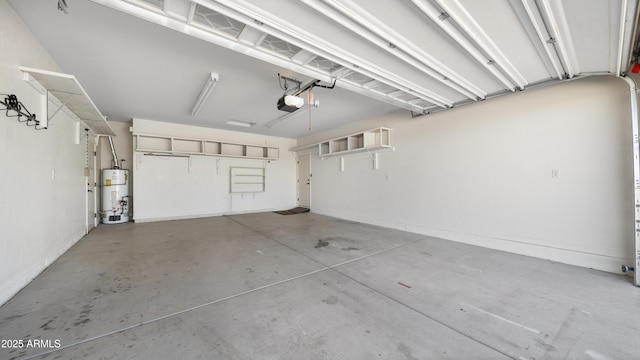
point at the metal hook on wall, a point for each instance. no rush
(11, 103)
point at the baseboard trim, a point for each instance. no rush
(604, 262)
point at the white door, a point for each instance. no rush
(304, 181)
(90, 171)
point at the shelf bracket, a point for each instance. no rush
(376, 164)
(63, 104)
(140, 158)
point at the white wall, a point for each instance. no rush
(482, 174)
(43, 196)
(169, 188)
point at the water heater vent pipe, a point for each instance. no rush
(116, 164)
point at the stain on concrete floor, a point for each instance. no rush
(321, 243)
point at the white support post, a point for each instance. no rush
(44, 120)
(633, 92)
(76, 133)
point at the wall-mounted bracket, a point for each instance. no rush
(12, 104)
(374, 157)
(60, 106)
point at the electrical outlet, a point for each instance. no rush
(555, 173)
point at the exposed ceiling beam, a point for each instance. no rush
(554, 17)
(440, 20)
(474, 31)
(357, 20)
(197, 32)
(533, 23)
(253, 16)
(192, 13)
(187, 26)
(378, 60)
(166, 7)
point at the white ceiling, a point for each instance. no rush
(149, 59)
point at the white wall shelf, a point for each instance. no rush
(247, 180)
(369, 140)
(186, 146)
(68, 93)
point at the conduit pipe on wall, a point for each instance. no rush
(633, 96)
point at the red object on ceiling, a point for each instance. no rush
(635, 69)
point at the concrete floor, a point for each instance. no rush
(268, 286)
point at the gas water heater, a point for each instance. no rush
(115, 196)
(115, 191)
